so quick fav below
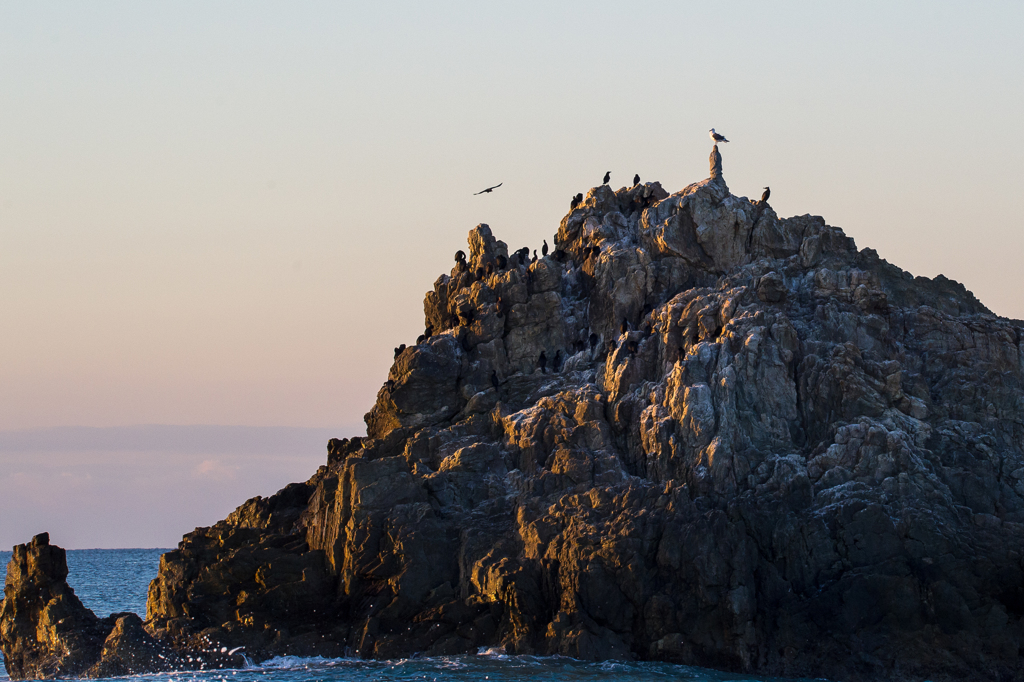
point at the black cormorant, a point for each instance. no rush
(489, 189)
(607, 177)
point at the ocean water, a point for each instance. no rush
(112, 580)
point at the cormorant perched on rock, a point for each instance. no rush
(534, 256)
(556, 366)
(502, 262)
(544, 248)
(489, 189)
(716, 137)
(494, 380)
(632, 347)
(575, 202)
(767, 193)
(479, 273)
(420, 339)
(429, 331)
(607, 177)
(636, 179)
(625, 326)
(398, 351)
(594, 338)
(460, 256)
(543, 362)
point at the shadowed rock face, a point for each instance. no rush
(760, 450)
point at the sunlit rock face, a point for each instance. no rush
(717, 437)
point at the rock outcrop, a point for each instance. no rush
(46, 632)
(695, 432)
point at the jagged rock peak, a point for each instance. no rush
(716, 164)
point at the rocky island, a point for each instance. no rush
(695, 432)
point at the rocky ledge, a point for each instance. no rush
(695, 432)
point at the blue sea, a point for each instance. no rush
(113, 580)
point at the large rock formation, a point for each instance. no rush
(750, 446)
(46, 632)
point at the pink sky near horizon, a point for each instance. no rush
(229, 214)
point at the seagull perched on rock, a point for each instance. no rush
(716, 137)
(489, 189)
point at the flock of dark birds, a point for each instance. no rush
(523, 258)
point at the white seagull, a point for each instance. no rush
(716, 137)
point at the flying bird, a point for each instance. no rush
(716, 137)
(607, 177)
(767, 193)
(489, 189)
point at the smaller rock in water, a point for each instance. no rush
(46, 631)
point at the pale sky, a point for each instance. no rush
(228, 213)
